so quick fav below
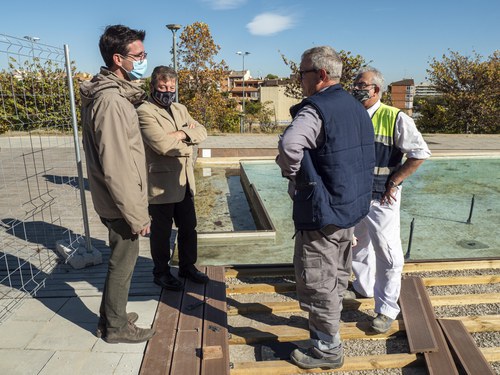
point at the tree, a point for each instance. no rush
(263, 114)
(201, 78)
(35, 96)
(272, 76)
(350, 66)
(470, 93)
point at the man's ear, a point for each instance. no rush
(117, 59)
(323, 74)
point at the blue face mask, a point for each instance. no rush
(139, 69)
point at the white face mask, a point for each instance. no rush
(138, 70)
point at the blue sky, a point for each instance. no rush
(399, 37)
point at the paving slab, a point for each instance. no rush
(39, 309)
(64, 362)
(61, 334)
(17, 334)
(23, 362)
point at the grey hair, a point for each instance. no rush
(378, 78)
(162, 73)
(325, 57)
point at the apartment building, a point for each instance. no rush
(402, 94)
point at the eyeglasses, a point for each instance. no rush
(302, 72)
(362, 85)
(139, 56)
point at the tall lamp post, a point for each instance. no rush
(174, 27)
(242, 124)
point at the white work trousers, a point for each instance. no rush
(377, 259)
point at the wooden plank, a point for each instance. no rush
(350, 364)
(465, 348)
(461, 280)
(360, 363)
(456, 265)
(158, 355)
(215, 355)
(260, 271)
(349, 331)
(439, 362)
(187, 354)
(285, 287)
(417, 322)
(260, 288)
(262, 332)
(236, 308)
(453, 265)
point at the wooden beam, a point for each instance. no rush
(287, 287)
(159, 350)
(452, 265)
(350, 364)
(358, 304)
(417, 322)
(465, 348)
(186, 357)
(215, 354)
(349, 331)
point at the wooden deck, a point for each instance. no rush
(193, 335)
(191, 330)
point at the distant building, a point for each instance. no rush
(402, 94)
(273, 91)
(426, 89)
(262, 90)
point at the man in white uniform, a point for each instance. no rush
(377, 259)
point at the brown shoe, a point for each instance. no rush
(130, 334)
(101, 326)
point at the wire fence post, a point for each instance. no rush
(81, 185)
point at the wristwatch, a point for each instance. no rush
(392, 184)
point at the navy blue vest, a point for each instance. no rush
(334, 183)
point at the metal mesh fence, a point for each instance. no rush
(39, 196)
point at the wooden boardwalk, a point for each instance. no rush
(193, 336)
(191, 330)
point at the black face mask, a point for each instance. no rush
(361, 95)
(163, 98)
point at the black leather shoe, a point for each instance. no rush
(194, 275)
(169, 282)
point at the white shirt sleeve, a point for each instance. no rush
(408, 139)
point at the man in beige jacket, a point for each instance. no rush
(169, 133)
(116, 171)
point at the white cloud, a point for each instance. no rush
(225, 4)
(269, 24)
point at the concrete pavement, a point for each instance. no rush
(54, 333)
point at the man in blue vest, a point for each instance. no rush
(327, 153)
(378, 257)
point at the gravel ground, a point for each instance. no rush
(399, 344)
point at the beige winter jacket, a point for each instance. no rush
(170, 162)
(114, 151)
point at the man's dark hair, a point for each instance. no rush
(162, 73)
(116, 39)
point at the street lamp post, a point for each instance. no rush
(242, 124)
(174, 27)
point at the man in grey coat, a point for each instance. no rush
(116, 172)
(169, 133)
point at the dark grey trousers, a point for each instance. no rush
(124, 252)
(322, 261)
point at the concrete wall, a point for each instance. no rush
(280, 103)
